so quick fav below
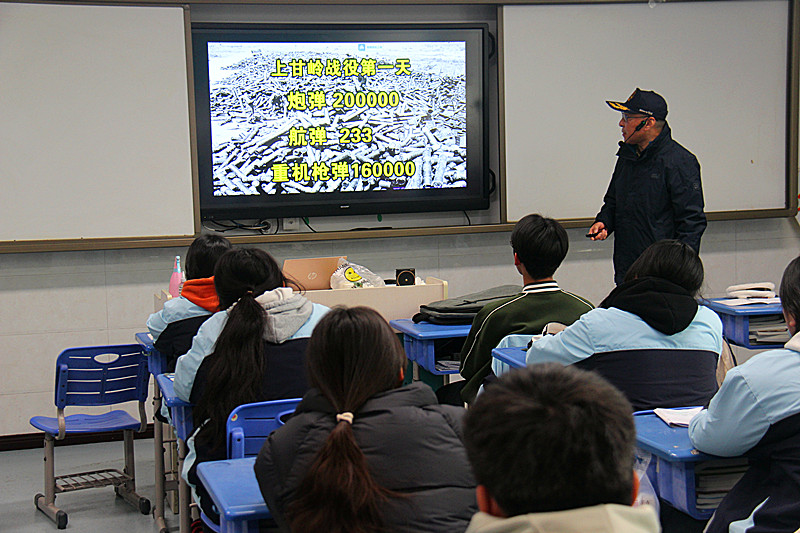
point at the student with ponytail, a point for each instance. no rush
(252, 350)
(361, 453)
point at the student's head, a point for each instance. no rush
(790, 294)
(353, 355)
(245, 271)
(671, 260)
(540, 244)
(203, 254)
(550, 438)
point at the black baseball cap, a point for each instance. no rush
(642, 103)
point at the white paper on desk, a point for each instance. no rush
(735, 302)
(677, 417)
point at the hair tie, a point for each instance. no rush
(249, 292)
(347, 417)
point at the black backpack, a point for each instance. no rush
(462, 309)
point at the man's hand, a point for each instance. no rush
(597, 232)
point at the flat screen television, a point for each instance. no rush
(297, 121)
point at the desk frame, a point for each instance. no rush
(181, 413)
(156, 364)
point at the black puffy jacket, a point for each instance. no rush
(412, 445)
(652, 196)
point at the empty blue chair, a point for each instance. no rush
(250, 424)
(94, 376)
(248, 427)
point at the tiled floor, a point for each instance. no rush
(91, 510)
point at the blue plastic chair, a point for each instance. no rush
(94, 376)
(250, 424)
(248, 427)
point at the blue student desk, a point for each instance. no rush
(736, 321)
(505, 359)
(672, 469)
(419, 341)
(181, 413)
(232, 485)
(156, 363)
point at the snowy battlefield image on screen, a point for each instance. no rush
(337, 116)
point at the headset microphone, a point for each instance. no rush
(640, 126)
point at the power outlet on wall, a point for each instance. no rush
(290, 224)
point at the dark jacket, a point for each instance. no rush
(176, 339)
(652, 196)
(412, 446)
(525, 313)
(285, 378)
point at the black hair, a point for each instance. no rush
(550, 438)
(790, 289)
(203, 254)
(541, 244)
(671, 260)
(353, 355)
(236, 368)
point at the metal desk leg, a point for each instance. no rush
(184, 496)
(158, 445)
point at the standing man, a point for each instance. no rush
(655, 192)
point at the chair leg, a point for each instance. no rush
(128, 489)
(46, 502)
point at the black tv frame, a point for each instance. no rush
(474, 196)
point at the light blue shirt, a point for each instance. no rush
(174, 310)
(609, 330)
(754, 396)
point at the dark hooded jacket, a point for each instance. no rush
(650, 339)
(412, 446)
(652, 196)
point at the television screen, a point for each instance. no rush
(301, 121)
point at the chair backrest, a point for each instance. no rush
(101, 375)
(249, 425)
(658, 377)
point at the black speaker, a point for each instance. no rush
(405, 276)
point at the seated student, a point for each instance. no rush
(649, 337)
(540, 245)
(361, 453)
(552, 449)
(253, 350)
(756, 413)
(176, 324)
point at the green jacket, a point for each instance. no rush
(525, 313)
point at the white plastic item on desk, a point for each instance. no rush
(352, 276)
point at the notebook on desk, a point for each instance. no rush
(312, 274)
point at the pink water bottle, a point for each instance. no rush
(176, 280)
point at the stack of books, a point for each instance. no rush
(714, 479)
(768, 329)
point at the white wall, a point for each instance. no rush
(53, 300)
